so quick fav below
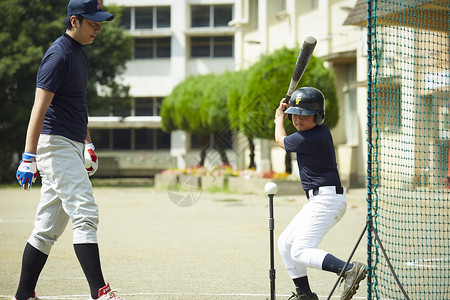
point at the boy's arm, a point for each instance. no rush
(280, 132)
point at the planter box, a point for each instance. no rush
(289, 188)
(234, 184)
(189, 181)
(175, 181)
(165, 181)
(247, 186)
(213, 182)
(256, 186)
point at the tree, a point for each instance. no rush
(198, 105)
(266, 85)
(214, 113)
(107, 56)
(236, 89)
(28, 29)
(180, 109)
(244, 100)
(186, 103)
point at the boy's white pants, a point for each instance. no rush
(299, 241)
(66, 193)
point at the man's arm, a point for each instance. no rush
(88, 138)
(27, 171)
(42, 101)
(90, 158)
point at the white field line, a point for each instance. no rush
(78, 297)
(432, 263)
(16, 221)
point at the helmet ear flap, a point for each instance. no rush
(320, 117)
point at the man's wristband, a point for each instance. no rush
(28, 155)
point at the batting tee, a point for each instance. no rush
(408, 149)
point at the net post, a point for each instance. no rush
(369, 150)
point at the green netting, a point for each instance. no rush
(408, 146)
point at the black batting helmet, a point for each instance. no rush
(307, 101)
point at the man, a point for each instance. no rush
(59, 145)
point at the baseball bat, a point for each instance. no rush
(300, 66)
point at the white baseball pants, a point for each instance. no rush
(66, 193)
(299, 241)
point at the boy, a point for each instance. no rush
(326, 197)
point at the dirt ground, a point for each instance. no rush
(151, 248)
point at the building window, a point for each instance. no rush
(147, 106)
(222, 15)
(143, 107)
(143, 48)
(152, 48)
(211, 15)
(130, 139)
(200, 47)
(223, 46)
(313, 4)
(200, 16)
(162, 47)
(255, 14)
(126, 18)
(144, 139)
(214, 46)
(146, 17)
(162, 139)
(121, 139)
(223, 139)
(351, 119)
(101, 138)
(151, 139)
(163, 16)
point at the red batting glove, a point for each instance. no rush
(90, 159)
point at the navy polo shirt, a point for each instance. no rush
(315, 157)
(64, 71)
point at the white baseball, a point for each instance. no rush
(271, 188)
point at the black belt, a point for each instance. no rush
(315, 191)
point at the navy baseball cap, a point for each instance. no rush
(90, 9)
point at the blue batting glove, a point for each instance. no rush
(27, 171)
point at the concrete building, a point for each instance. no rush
(174, 39)
(413, 86)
